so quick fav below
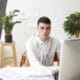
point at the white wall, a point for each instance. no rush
(31, 10)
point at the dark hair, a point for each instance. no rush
(44, 19)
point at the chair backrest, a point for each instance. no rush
(24, 60)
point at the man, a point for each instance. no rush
(41, 48)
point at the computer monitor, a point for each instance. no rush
(70, 60)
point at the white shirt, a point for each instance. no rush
(42, 53)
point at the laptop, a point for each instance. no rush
(70, 60)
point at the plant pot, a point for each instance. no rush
(8, 38)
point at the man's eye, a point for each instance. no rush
(48, 28)
(42, 27)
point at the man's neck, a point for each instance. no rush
(43, 40)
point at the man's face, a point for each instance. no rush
(44, 31)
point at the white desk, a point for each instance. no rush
(25, 73)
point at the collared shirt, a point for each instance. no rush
(42, 53)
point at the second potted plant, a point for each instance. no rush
(8, 24)
(72, 24)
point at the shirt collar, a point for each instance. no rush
(40, 41)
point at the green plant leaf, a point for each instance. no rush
(72, 23)
(8, 22)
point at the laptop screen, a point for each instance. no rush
(70, 60)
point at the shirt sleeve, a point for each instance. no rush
(58, 47)
(31, 54)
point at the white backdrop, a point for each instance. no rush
(31, 10)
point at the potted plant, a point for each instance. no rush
(8, 24)
(72, 24)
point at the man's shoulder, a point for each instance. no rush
(31, 39)
(53, 39)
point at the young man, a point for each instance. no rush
(41, 48)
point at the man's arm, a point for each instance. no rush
(31, 55)
(57, 53)
(58, 57)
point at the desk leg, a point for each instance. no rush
(14, 55)
(2, 55)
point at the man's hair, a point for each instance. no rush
(44, 19)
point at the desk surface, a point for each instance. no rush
(24, 73)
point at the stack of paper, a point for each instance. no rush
(24, 73)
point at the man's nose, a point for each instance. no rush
(45, 30)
